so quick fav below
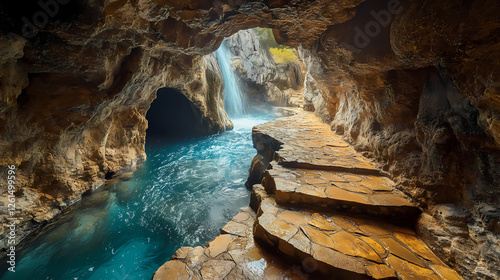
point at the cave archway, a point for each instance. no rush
(173, 116)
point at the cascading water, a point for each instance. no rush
(183, 195)
(234, 100)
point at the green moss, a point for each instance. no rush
(266, 37)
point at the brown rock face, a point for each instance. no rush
(413, 95)
(414, 84)
(75, 97)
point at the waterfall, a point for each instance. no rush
(234, 100)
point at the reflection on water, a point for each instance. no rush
(183, 195)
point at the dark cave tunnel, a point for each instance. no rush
(172, 116)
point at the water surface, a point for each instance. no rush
(185, 193)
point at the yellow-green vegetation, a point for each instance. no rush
(266, 38)
(280, 53)
(283, 55)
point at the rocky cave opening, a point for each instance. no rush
(173, 116)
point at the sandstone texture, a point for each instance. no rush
(74, 100)
(421, 97)
(293, 219)
(412, 84)
(232, 255)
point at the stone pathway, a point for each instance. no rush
(232, 255)
(322, 212)
(296, 97)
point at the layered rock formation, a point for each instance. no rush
(74, 101)
(262, 78)
(414, 84)
(324, 209)
(420, 96)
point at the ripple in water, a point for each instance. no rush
(184, 195)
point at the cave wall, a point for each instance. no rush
(189, 112)
(413, 97)
(74, 99)
(418, 93)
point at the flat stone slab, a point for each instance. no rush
(232, 255)
(321, 189)
(323, 212)
(346, 246)
(306, 142)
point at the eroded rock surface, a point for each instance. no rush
(317, 240)
(421, 97)
(419, 93)
(75, 92)
(232, 255)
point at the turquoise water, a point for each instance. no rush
(185, 193)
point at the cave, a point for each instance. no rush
(173, 116)
(378, 159)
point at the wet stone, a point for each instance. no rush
(350, 245)
(276, 227)
(195, 256)
(315, 181)
(373, 229)
(181, 253)
(336, 259)
(375, 246)
(336, 193)
(244, 256)
(172, 270)
(219, 245)
(311, 194)
(375, 183)
(352, 187)
(238, 243)
(344, 224)
(380, 271)
(409, 271)
(235, 229)
(418, 246)
(216, 270)
(317, 236)
(293, 217)
(323, 224)
(241, 217)
(316, 173)
(399, 250)
(332, 177)
(301, 242)
(445, 272)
